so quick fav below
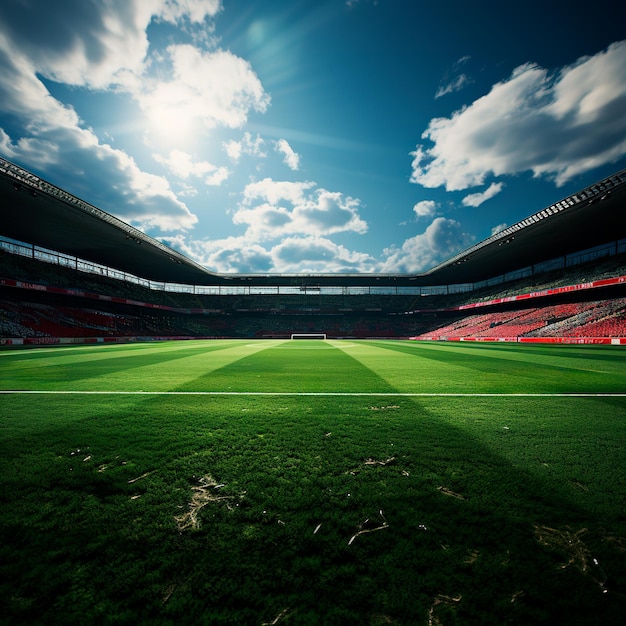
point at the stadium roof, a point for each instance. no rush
(38, 213)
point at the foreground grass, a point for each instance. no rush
(312, 510)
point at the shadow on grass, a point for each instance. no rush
(458, 535)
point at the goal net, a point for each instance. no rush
(308, 336)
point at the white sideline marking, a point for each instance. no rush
(321, 393)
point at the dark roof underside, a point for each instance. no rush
(38, 213)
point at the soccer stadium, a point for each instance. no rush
(75, 274)
(184, 446)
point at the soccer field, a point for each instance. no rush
(313, 482)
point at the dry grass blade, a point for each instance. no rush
(369, 527)
(471, 557)
(449, 492)
(277, 619)
(371, 461)
(134, 480)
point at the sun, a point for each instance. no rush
(169, 119)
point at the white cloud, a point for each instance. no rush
(104, 44)
(476, 199)
(233, 149)
(182, 165)
(455, 85)
(290, 158)
(306, 253)
(23, 95)
(497, 229)
(254, 147)
(55, 142)
(450, 84)
(194, 10)
(217, 177)
(318, 254)
(273, 209)
(93, 44)
(85, 43)
(297, 254)
(233, 254)
(273, 191)
(6, 146)
(58, 146)
(204, 90)
(425, 208)
(441, 239)
(558, 125)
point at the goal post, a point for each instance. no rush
(308, 336)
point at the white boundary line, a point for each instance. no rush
(320, 393)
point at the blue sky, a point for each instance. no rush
(315, 135)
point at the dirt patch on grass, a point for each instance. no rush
(571, 544)
(441, 599)
(204, 493)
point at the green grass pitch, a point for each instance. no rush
(313, 482)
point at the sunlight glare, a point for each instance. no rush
(169, 119)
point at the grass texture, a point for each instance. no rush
(313, 482)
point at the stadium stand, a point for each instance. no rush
(598, 318)
(48, 295)
(38, 306)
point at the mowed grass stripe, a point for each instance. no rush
(338, 394)
(573, 357)
(506, 368)
(165, 366)
(292, 367)
(332, 368)
(406, 369)
(267, 366)
(446, 368)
